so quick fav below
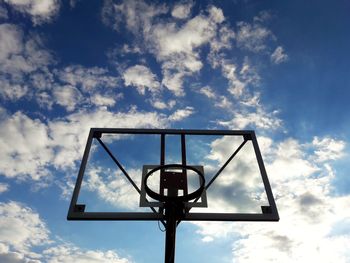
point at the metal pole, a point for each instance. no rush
(170, 237)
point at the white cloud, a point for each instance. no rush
(259, 118)
(249, 73)
(10, 40)
(208, 92)
(19, 57)
(66, 87)
(71, 253)
(100, 100)
(278, 56)
(142, 78)
(295, 239)
(25, 151)
(42, 80)
(247, 112)
(176, 68)
(290, 154)
(60, 142)
(252, 37)
(8, 256)
(223, 41)
(328, 148)
(69, 86)
(182, 10)
(239, 77)
(223, 102)
(114, 188)
(174, 81)
(14, 58)
(22, 232)
(137, 15)
(67, 96)
(236, 86)
(36, 54)
(181, 114)
(161, 105)
(169, 39)
(211, 230)
(12, 91)
(175, 47)
(251, 101)
(88, 79)
(218, 100)
(207, 239)
(216, 14)
(4, 187)
(41, 11)
(21, 228)
(129, 49)
(44, 100)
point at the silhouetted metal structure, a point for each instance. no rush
(170, 208)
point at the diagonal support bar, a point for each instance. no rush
(225, 164)
(124, 172)
(119, 165)
(220, 170)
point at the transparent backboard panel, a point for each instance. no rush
(234, 187)
(110, 183)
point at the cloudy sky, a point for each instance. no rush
(280, 68)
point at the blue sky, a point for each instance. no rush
(278, 67)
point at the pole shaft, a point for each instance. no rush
(170, 237)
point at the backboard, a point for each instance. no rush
(111, 180)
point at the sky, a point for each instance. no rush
(280, 68)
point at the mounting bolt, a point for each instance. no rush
(79, 208)
(97, 134)
(266, 209)
(247, 137)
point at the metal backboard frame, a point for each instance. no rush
(77, 211)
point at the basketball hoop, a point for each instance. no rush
(183, 198)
